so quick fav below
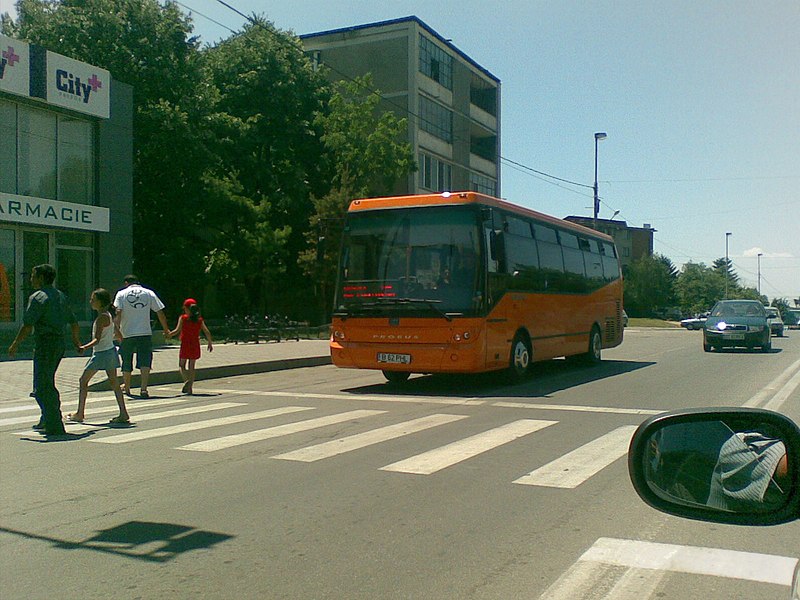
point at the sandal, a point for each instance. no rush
(74, 419)
(120, 420)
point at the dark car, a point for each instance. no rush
(733, 323)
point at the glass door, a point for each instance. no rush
(35, 251)
(8, 292)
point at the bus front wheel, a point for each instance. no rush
(520, 360)
(396, 376)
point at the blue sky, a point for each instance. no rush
(700, 101)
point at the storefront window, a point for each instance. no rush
(74, 274)
(7, 271)
(37, 153)
(8, 148)
(75, 160)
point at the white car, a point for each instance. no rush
(695, 322)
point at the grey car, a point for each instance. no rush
(733, 323)
(775, 321)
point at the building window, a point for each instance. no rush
(435, 62)
(484, 185)
(485, 147)
(435, 119)
(45, 155)
(434, 174)
(483, 95)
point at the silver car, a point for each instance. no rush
(775, 321)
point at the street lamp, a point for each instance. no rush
(760, 254)
(728, 234)
(597, 137)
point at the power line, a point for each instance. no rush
(403, 109)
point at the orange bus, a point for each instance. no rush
(460, 282)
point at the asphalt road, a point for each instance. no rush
(327, 483)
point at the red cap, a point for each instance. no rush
(189, 301)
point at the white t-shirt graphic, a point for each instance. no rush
(135, 303)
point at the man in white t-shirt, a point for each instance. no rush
(134, 303)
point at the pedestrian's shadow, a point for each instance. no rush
(66, 437)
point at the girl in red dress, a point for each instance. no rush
(190, 324)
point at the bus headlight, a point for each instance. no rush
(338, 335)
(458, 337)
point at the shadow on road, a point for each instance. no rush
(140, 540)
(546, 378)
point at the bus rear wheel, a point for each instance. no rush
(520, 360)
(396, 376)
(594, 355)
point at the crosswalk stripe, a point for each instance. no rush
(440, 458)
(392, 398)
(765, 568)
(361, 440)
(108, 409)
(577, 466)
(238, 439)
(139, 418)
(162, 431)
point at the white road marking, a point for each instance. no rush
(162, 431)
(361, 440)
(598, 581)
(774, 394)
(92, 424)
(574, 408)
(440, 458)
(577, 466)
(765, 568)
(93, 409)
(472, 401)
(359, 397)
(230, 441)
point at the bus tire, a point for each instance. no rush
(594, 355)
(519, 362)
(396, 376)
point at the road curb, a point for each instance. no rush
(165, 377)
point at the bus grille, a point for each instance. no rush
(613, 324)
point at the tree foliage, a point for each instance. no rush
(650, 285)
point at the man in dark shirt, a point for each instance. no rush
(46, 315)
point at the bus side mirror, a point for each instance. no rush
(497, 249)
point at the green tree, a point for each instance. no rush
(366, 157)
(273, 159)
(649, 285)
(698, 287)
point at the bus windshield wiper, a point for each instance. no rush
(429, 303)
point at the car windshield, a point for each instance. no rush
(772, 313)
(738, 309)
(411, 260)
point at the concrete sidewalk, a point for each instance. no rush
(226, 360)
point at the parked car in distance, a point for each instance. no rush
(739, 466)
(624, 318)
(695, 322)
(734, 323)
(775, 321)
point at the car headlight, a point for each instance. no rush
(722, 325)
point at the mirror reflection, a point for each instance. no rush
(712, 464)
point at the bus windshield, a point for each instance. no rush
(420, 261)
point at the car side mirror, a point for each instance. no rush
(725, 465)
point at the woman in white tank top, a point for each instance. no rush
(104, 357)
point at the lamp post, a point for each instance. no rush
(727, 264)
(597, 137)
(760, 254)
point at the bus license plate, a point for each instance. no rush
(733, 336)
(397, 359)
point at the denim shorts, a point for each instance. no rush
(105, 360)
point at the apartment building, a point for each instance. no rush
(632, 242)
(451, 102)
